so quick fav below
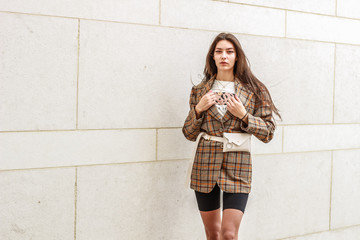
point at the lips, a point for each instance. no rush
(223, 63)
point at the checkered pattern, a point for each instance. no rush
(231, 170)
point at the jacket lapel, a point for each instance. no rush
(212, 110)
(243, 93)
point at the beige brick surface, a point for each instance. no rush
(222, 16)
(320, 6)
(37, 204)
(38, 72)
(293, 189)
(137, 201)
(133, 11)
(322, 28)
(69, 148)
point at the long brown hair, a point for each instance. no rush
(241, 70)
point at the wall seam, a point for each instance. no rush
(286, 23)
(75, 193)
(245, 4)
(163, 128)
(334, 89)
(336, 7)
(156, 146)
(194, 29)
(294, 10)
(312, 233)
(166, 160)
(77, 76)
(331, 177)
(159, 12)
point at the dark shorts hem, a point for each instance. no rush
(211, 201)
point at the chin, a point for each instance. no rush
(225, 68)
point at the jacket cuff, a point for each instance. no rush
(250, 127)
(195, 121)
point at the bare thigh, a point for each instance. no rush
(212, 222)
(231, 220)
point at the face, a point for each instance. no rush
(224, 55)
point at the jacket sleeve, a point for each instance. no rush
(191, 128)
(260, 124)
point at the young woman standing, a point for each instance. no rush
(229, 99)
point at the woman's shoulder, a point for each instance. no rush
(199, 85)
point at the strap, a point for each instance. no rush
(214, 138)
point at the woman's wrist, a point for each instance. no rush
(244, 116)
(197, 112)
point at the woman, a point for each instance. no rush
(229, 99)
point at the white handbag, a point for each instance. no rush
(235, 142)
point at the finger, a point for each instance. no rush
(210, 97)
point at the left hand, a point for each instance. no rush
(235, 106)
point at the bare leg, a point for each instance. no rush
(230, 223)
(212, 223)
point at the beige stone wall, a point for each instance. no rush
(93, 95)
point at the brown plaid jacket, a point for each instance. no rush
(231, 170)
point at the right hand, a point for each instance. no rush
(205, 102)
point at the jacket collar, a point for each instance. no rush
(241, 91)
(238, 86)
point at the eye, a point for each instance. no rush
(218, 51)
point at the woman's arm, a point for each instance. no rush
(193, 121)
(260, 124)
(197, 112)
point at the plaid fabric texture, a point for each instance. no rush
(231, 170)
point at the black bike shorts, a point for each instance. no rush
(211, 201)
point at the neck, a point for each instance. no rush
(225, 76)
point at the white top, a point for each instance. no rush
(223, 90)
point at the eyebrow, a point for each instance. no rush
(226, 48)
